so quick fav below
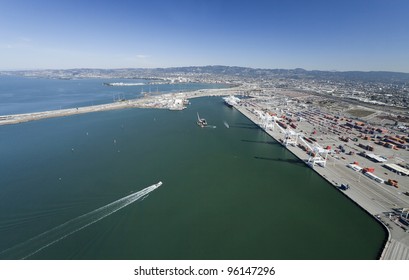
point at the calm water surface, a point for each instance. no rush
(26, 95)
(228, 193)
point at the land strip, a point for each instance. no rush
(171, 101)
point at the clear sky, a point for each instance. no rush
(312, 34)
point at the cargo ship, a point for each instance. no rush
(231, 100)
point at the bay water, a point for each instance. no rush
(229, 192)
(31, 94)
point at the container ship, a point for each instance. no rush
(231, 100)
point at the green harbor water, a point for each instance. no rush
(227, 193)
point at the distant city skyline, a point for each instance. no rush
(362, 35)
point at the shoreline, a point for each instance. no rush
(387, 252)
(162, 101)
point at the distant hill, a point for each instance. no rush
(298, 73)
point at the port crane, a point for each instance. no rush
(270, 122)
(266, 120)
(290, 135)
(318, 155)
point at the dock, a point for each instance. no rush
(376, 199)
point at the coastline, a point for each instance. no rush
(394, 244)
(162, 101)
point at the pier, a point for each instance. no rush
(374, 198)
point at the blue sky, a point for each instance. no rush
(313, 34)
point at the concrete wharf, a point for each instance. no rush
(371, 196)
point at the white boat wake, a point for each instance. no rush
(52, 236)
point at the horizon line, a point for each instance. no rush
(192, 66)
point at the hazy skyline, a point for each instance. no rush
(368, 35)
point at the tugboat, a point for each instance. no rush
(201, 122)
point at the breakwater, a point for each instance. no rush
(164, 101)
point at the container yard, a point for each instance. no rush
(367, 163)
